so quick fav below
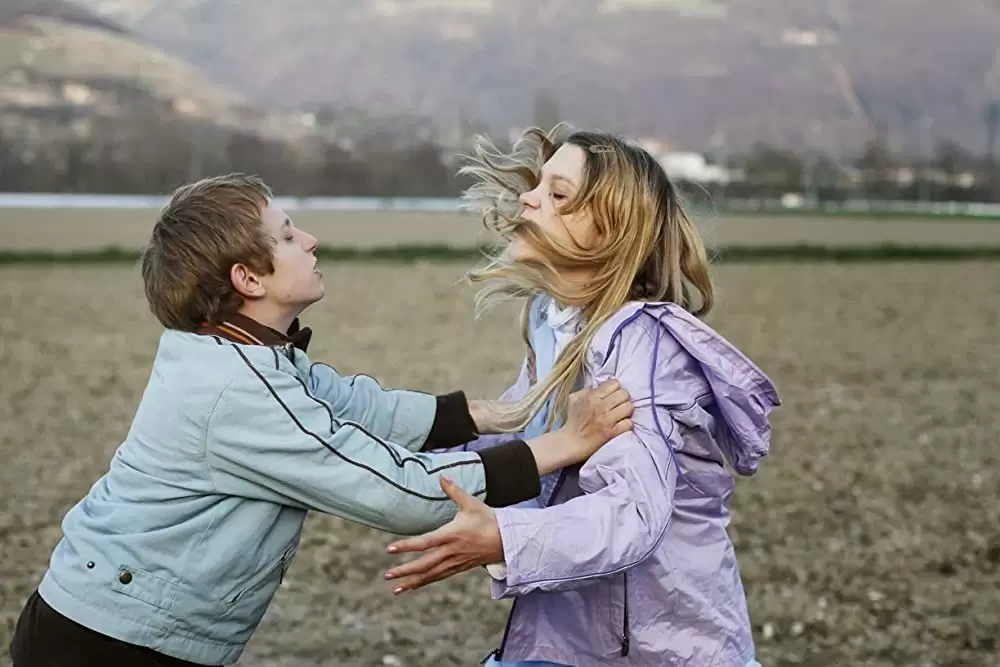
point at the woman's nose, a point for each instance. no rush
(529, 199)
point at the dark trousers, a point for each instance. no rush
(45, 638)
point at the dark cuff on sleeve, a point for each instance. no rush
(511, 474)
(453, 424)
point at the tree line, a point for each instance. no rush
(154, 152)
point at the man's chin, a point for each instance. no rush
(317, 297)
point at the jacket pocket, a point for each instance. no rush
(268, 579)
(149, 588)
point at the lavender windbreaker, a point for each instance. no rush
(629, 562)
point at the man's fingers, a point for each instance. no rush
(624, 426)
(607, 388)
(421, 565)
(623, 411)
(435, 538)
(616, 398)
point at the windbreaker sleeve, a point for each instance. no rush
(269, 438)
(628, 486)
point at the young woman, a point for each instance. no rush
(624, 560)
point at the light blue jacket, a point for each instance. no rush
(182, 544)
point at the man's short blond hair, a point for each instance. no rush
(205, 229)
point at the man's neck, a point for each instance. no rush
(280, 322)
(240, 328)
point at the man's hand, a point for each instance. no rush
(469, 540)
(484, 414)
(596, 416)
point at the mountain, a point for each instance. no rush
(60, 59)
(698, 74)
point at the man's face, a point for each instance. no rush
(296, 282)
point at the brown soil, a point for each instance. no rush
(871, 536)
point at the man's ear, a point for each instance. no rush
(246, 282)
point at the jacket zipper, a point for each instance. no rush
(263, 576)
(626, 642)
(556, 488)
(498, 653)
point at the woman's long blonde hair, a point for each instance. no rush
(648, 249)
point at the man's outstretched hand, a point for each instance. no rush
(469, 540)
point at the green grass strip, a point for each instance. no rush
(875, 215)
(445, 253)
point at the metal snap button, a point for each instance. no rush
(125, 577)
(90, 565)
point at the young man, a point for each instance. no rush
(175, 553)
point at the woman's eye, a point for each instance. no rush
(558, 196)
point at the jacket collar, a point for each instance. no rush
(239, 328)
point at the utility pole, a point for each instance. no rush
(813, 148)
(926, 123)
(992, 86)
(717, 146)
(992, 131)
(546, 111)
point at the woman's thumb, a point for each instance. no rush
(455, 492)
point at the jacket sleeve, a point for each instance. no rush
(269, 438)
(513, 393)
(411, 419)
(628, 487)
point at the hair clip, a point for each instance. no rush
(601, 148)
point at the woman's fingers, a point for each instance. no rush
(445, 569)
(435, 538)
(423, 564)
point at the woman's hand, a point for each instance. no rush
(469, 540)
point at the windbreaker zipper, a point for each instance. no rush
(498, 654)
(626, 641)
(556, 488)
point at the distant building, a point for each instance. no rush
(687, 166)
(807, 38)
(695, 168)
(703, 8)
(393, 7)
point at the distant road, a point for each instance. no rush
(20, 200)
(63, 229)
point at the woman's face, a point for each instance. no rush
(561, 179)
